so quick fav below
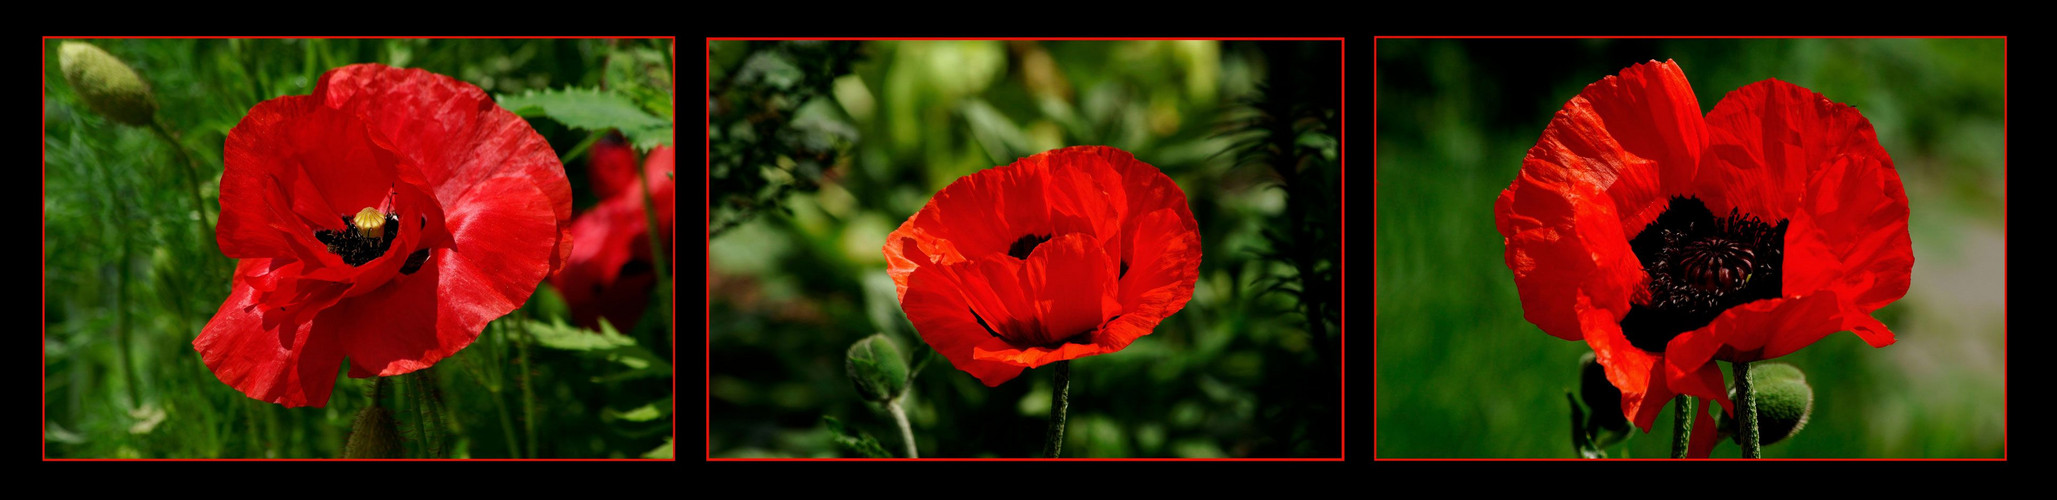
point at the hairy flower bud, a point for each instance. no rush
(876, 368)
(1784, 401)
(373, 435)
(107, 85)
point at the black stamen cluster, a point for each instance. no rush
(355, 247)
(1699, 266)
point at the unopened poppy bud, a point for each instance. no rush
(1784, 401)
(1600, 395)
(107, 85)
(373, 435)
(876, 368)
(370, 222)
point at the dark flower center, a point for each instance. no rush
(1021, 247)
(367, 236)
(1699, 266)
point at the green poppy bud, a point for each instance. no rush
(1784, 401)
(876, 368)
(373, 435)
(107, 85)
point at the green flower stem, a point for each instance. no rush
(528, 391)
(1746, 425)
(906, 432)
(657, 258)
(192, 177)
(1060, 400)
(580, 148)
(427, 413)
(1681, 425)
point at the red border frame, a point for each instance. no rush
(44, 233)
(1342, 314)
(2004, 398)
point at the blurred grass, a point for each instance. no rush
(1462, 374)
(122, 252)
(1232, 374)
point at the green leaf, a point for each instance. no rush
(661, 451)
(607, 343)
(860, 443)
(652, 411)
(593, 109)
(557, 335)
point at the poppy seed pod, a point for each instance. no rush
(107, 85)
(876, 369)
(1784, 401)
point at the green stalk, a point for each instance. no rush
(1746, 425)
(580, 149)
(657, 258)
(1060, 400)
(1681, 425)
(426, 411)
(528, 392)
(906, 432)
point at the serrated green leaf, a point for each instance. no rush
(860, 443)
(595, 110)
(557, 335)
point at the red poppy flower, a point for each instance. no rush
(610, 273)
(1069, 253)
(1667, 240)
(384, 218)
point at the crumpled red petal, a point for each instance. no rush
(283, 363)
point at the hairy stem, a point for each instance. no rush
(1060, 400)
(906, 432)
(1746, 418)
(1681, 424)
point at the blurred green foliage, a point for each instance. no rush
(132, 274)
(1462, 374)
(822, 148)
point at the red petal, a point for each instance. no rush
(1071, 280)
(1637, 373)
(1768, 139)
(1705, 436)
(938, 310)
(1567, 244)
(1850, 234)
(282, 362)
(1146, 189)
(293, 166)
(1637, 136)
(1165, 266)
(611, 166)
(454, 134)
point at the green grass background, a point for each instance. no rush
(1461, 374)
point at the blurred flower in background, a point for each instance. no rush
(610, 274)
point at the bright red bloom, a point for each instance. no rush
(385, 218)
(611, 274)
(1069, 253)
(1667, 240)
